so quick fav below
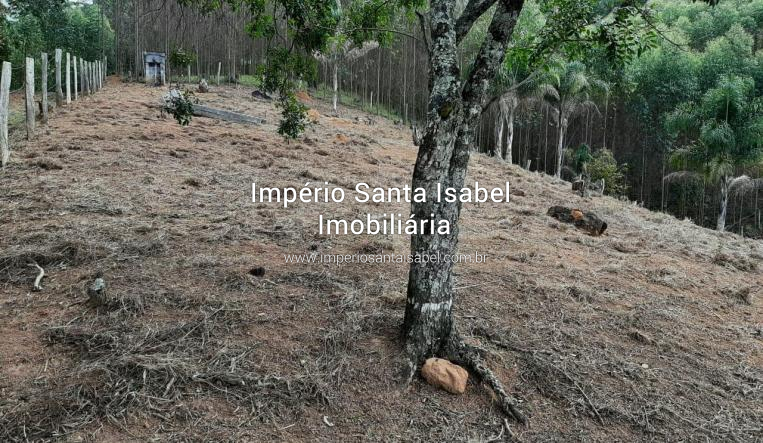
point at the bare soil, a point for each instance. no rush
(651, 332)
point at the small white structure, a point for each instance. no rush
(154, 64)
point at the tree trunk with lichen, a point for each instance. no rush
(443, 157)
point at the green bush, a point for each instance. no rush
(604, 166)
(180, 105)
(293, 116)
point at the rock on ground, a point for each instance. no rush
(446, 375)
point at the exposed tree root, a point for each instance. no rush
(456, 350)
(469, 356)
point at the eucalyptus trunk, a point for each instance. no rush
(499, 124)
(510, 134)
(560, 147)
(721, 226)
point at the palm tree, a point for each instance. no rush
(521, 91)
(568, 90)
(717, 137)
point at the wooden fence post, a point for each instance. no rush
(44, 86)
(5, 94)
(219, 65)
(74, 76)
(87, 79)
(68, 80)
(82, 76)
(29, 98)
(93, 84)
(100, 75)
(59, 91)
(105, 68)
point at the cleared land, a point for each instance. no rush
(652, 332)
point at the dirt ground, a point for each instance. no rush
(651, 332)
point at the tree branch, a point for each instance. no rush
(424, 30)
(474, 10)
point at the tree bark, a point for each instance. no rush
(512, 108)
(443, 157)
(498, 148)
(560, 147)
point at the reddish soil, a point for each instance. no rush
(651, 332)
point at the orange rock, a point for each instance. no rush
(446, 375)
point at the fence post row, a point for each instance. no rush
(89, 78)
(5, 94)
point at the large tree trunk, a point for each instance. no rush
(428, 322)
(724, 203)
(443, 157)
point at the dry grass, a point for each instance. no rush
(649, 333)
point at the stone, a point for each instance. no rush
(96, 292)
(446, 375)
(203, 86)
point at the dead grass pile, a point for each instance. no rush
(700, 401)
(55, 251)
(126, 370)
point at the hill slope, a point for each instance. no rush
(650, 332)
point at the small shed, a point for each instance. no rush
(154, 65)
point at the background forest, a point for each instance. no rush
(678, 128)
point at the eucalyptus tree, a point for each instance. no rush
(717, 136)
(457, 94)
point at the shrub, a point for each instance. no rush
(293, 116)
(604, 166)
(180, 105)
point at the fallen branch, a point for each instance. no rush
(587, 221)
(204, 111)
(38, 280)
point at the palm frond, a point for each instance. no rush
(681, 176)
(719, 167)
(744, 184)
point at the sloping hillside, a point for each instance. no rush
(652, 332)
